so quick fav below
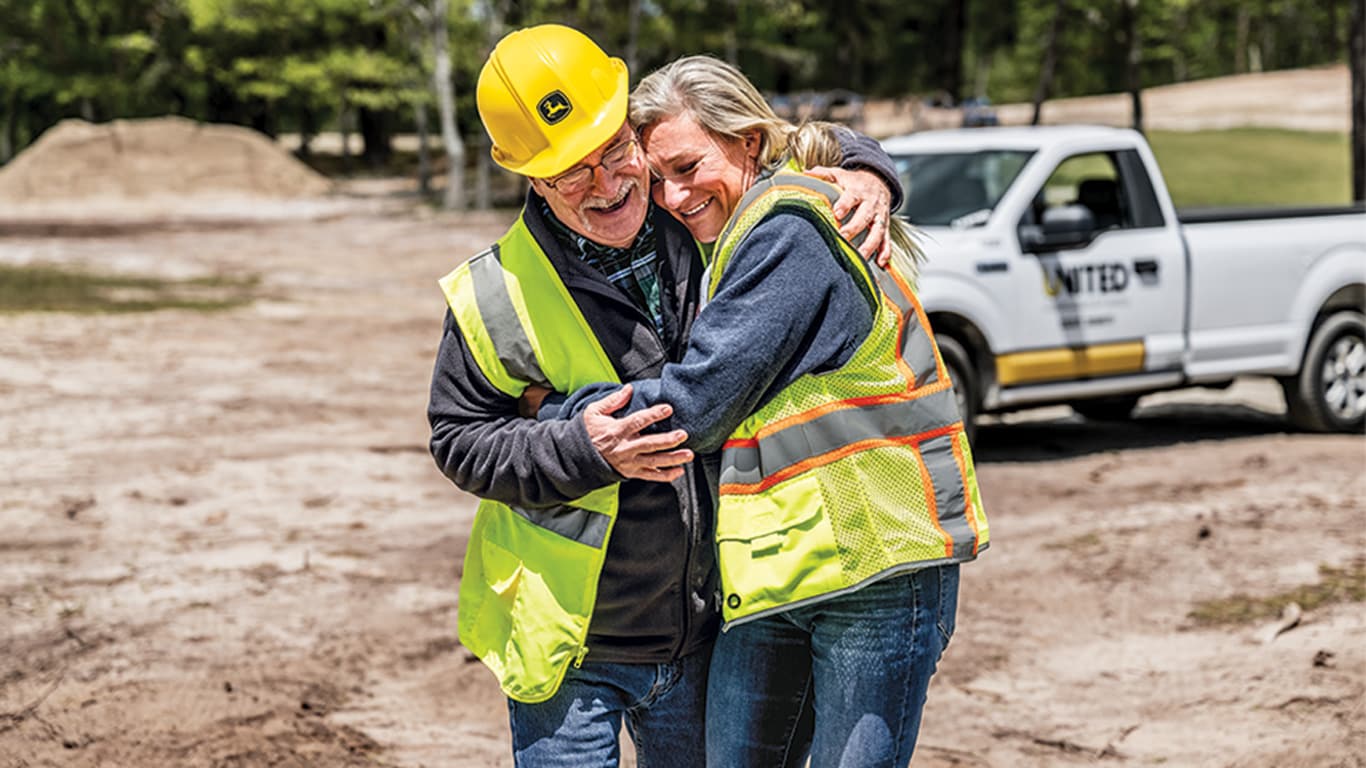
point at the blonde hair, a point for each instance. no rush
(726, 104)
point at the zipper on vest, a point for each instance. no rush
(689, 503)
(578, 657)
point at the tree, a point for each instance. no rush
(264, 60)
(1050, 61)
(1133, 56)
(1356, 55)
(454, 197)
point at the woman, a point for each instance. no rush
(847, 495)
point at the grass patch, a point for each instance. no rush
(1087, 542)
(1336, 585)
(51, 289)
(1254, 167)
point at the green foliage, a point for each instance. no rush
(302, 64)
(1250, 166)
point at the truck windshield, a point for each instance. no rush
(958, 189)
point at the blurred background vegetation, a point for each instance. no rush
(376, 68)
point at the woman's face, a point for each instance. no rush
(699, 177)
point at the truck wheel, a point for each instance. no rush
(1329, 392)
(964, 378)
(1117, 408)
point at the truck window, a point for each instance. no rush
(1091, 180)
(1113, 185)
(956, 189)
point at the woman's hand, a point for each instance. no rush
(864, 207)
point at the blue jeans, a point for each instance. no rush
(844, 679)
(578, 727)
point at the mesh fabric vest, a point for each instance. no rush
(851, 475)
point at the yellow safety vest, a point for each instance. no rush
(848, 476)
(530, 576)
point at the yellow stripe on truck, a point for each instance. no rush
(1041, 365)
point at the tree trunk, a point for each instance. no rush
(633, 36)
(344, 122)
(951, 64)
(7, 130)
(1356, 54)
(454, 199)
(483, 168)
(1240, 41)
(983, 74)
(483, 174)
(732, 33)
(1050, 61)
(1133, 58)
(308, 127)
(424, 162)
(377, 134)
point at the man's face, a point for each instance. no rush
(609, 204)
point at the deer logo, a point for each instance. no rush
(554, 107)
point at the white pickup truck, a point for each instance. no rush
(1060, 272)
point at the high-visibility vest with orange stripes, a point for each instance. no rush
(530, 577)
(849, 476)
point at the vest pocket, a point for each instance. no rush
(523, 612)
(776, 547)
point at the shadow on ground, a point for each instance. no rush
(1152, 427)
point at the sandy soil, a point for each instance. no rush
(225, 544)
(1318, 99)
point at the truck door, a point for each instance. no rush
(1107, 301)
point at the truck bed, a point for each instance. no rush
(1214, 215)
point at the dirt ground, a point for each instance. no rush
(225, 544)
(1318, 99)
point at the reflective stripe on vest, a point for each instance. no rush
(750, 466)
(530, 578)
(949, 493)
(501, 320)
(575, 523)
(917, 345)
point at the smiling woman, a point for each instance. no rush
(846, 493)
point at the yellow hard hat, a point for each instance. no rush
(548, 97)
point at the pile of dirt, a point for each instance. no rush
(159, 158)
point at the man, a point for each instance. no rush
(589, 584)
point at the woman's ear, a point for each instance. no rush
(753, 142)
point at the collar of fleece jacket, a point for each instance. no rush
(634, 269)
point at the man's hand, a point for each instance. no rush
(866, 194)
(631, 454)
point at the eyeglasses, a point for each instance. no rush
(577, 180)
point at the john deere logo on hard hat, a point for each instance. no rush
(554, 108)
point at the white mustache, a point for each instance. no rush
(627, 186)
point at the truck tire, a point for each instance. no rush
(964, 378)
(1116, 408)
(1329, 392)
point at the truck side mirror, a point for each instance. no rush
(1064, 226)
